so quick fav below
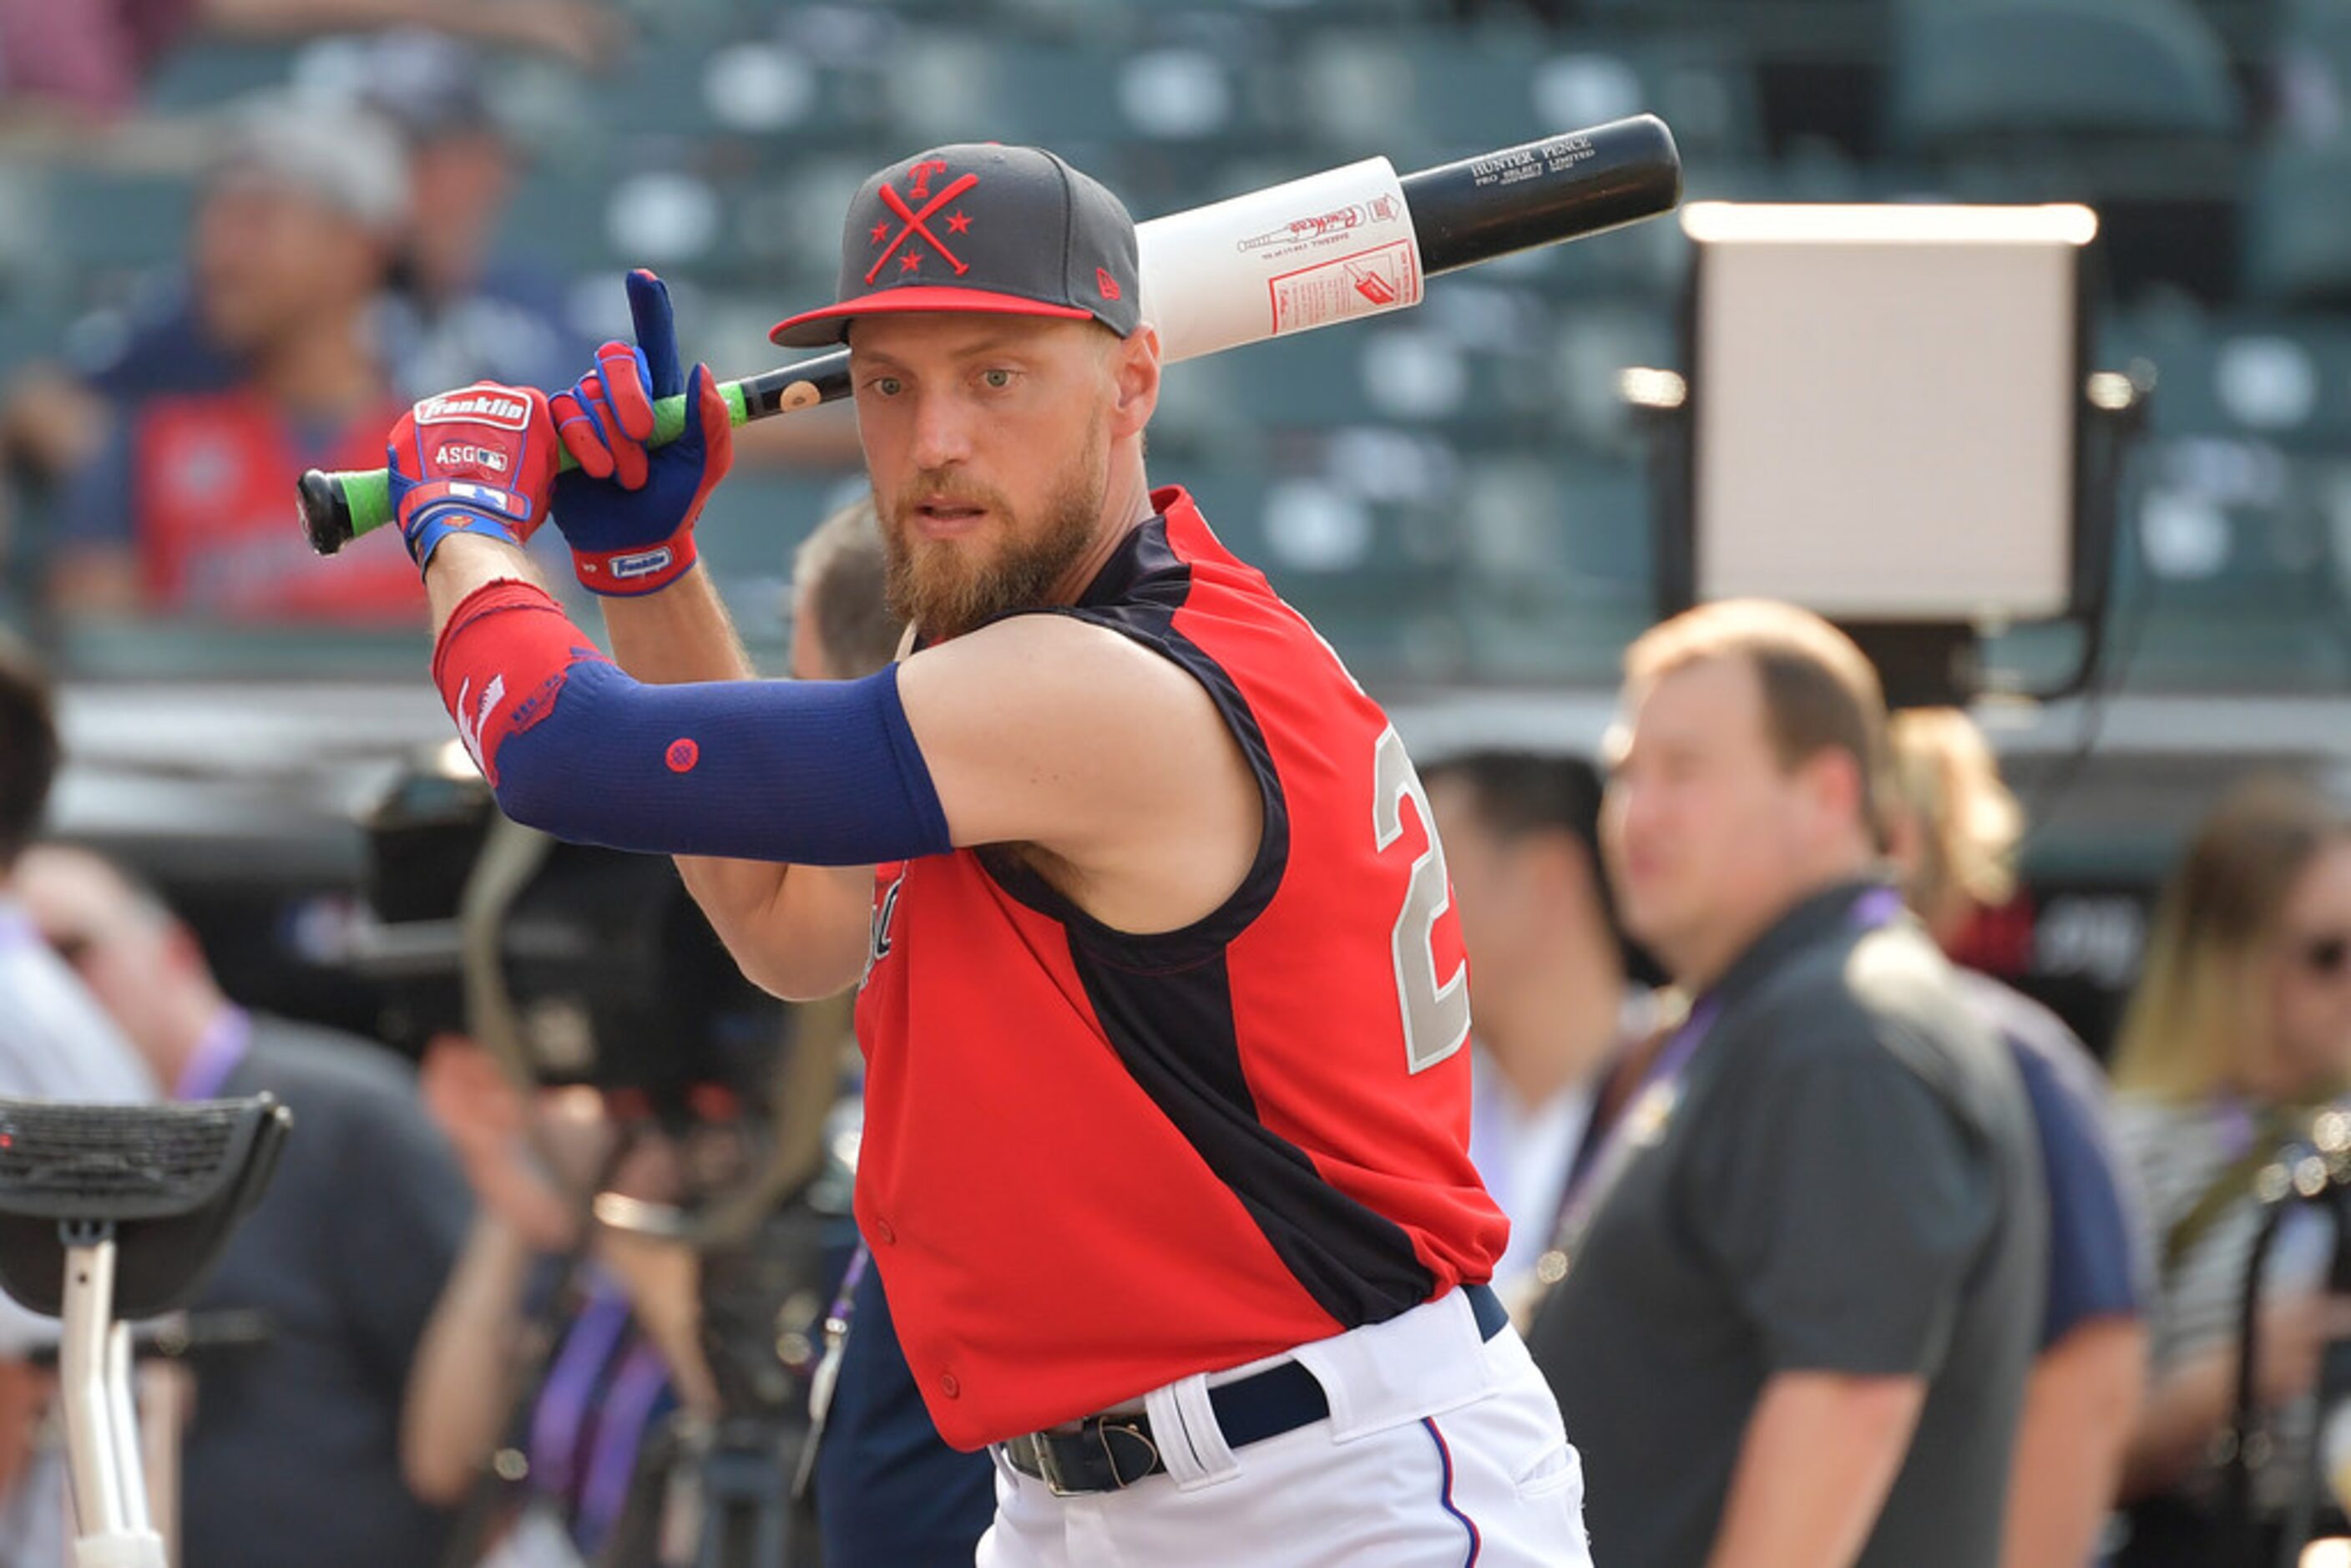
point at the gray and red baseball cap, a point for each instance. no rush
(1007, 231)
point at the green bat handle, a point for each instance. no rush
(339, 507)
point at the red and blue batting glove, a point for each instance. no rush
(628, 512)
(476, 461)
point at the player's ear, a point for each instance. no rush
(1134, 372)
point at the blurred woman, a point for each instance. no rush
(1955, 832)
(2239, 1032)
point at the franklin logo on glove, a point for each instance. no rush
(474, 408)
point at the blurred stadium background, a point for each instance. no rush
(1458, 496)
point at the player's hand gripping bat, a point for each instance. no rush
(1350, 242)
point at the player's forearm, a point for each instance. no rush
(1821, 1451)
(464, 563)
(681, 633)
(799, 933)
(2078, 1409)
(797, 930)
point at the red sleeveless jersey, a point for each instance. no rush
(1094, 1163)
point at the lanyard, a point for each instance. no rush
(569, 1392)
(828, 1367)
(627, 1408)
(1651, 1104)
(1645, 1110)
(221, 1047)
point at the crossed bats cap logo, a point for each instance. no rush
(981, 227)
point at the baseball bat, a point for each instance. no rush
(1564, 187)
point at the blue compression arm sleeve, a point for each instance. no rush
(809, 772)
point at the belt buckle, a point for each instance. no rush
(1048, 1469)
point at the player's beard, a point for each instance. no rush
(948, 587)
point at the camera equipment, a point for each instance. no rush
(611, 974)
(580, 966)
(2315, 1174)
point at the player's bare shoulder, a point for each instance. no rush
(1050, 683)
(1056, 729)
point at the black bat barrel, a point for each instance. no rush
(1539, 193)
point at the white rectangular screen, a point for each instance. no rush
(1884, 407)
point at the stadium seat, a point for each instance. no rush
(2282, 380)
(1468, 362)
(2297, 244)
(557, 216)
(1357, 544)
(2235, 573)
(748, 531)
(660, 88)
(789, 220)
(1604, 547)
(1433, 94)
(955, 87)
(2301, 35)
(1594, 344)
(1973, 70)
(101, 219)
(1539, 539)
(205, 75)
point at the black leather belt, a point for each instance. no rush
(1104, 1453)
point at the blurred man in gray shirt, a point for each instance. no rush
(1804, 1264)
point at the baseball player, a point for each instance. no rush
(1162, 999)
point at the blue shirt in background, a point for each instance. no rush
(2100, 1248)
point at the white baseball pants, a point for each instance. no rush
(1443, 1450)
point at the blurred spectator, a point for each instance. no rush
(1550, 1004)
(1954, 836)
(888, 1488)
(1548, 12)
(456, 312)
(293, 1457)
(1804, 1271)
(188, 507)
(842, 627)
(88, 58)
(624, 1356)
(2239, 1032)
(451, 313)
(55, 1044)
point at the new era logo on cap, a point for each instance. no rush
(980, 227)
